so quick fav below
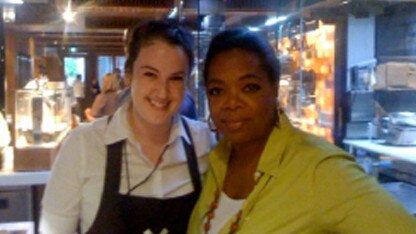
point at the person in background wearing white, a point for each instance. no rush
(4, 132)
(39, 82)
(139, 170)
(78, 90)
(4, 138)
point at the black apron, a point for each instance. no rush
(119, 213)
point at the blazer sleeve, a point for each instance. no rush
(350, 201)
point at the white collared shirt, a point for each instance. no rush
(74, 188)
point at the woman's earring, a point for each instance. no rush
(211, 124)
(277, 112)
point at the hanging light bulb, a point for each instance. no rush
(68, 14)
(12, 1)
(274, 20)
(9, 14)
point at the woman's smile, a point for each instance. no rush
(159, 104)
(233, 125)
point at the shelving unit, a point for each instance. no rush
(307, 87)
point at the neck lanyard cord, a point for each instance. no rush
(127, 165)
(147, 177)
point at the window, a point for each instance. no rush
(73, 67)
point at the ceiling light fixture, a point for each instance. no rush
(173, 13)
(9, 14)
(345, 2)
(274, 20)
(12, 1)
(68, 14)
(253, 29)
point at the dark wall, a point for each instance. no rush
(2, 62)
(396, 100)
(396, 33)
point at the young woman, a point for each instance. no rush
(267, 176)
(137, 171)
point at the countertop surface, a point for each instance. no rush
(406, 153)
(9, 177)
(27, 178)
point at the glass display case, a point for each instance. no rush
(42, 119)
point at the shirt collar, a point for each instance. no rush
(279, 139)
(118, 128)
(178, 130)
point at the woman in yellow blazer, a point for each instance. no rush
(267, 176)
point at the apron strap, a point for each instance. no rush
(113, 165)
(108, 218)
(192, 159)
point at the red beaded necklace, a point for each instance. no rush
(211, 214)
(214, 204)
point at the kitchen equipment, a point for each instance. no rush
(401, 128)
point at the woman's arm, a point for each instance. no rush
(61, 203)
(88, 115)
(349, 201)
(97, 106)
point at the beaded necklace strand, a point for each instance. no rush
(214, 204)
(211, 215)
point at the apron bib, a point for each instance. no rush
(120, 213)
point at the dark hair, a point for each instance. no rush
(167, 30)
(241, 38)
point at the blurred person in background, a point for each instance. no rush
(78, 91)
(106, 102)
(4, 138)
(188, 107)
(39, 82)
(94, 88)
(120, 78)
(124, 93)
(4, 132)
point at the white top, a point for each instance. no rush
(78, 89)
(37, 83)
(406, 153)
(4, 133)
(76, 182)
(227, 208)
